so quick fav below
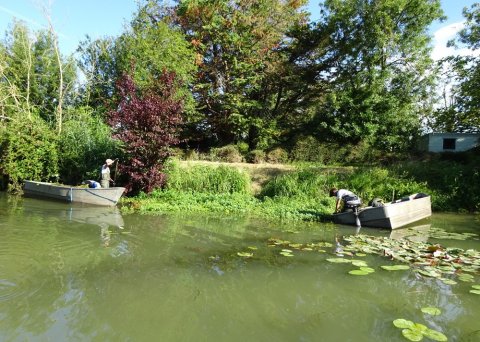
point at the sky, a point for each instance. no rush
(74, 19)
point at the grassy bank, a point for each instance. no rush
(284, 192)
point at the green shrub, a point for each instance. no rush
(242, 148)
(229, 154)
(191, 155)
(85, 143)
(256, 157)
(307, 149)
(277, 156)
(28, 151)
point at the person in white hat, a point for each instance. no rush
(105, 181)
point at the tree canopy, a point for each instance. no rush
(257, 74)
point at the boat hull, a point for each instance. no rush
(102, 196)
(392, 215)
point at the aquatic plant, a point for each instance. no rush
(416, 331)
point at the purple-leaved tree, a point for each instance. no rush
(147, 123)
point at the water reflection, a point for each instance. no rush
(418, 233)
(104, 217)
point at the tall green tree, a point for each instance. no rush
(148, 47)
(31, 74)
(240, 56)
(463, 114)
(374, 54)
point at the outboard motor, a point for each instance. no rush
(354, 204)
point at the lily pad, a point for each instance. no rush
(245, 254)
(359, 263)
(475, 292)
(412, 335)
(476, 287)
(287, 254)
(339, 260)
(430, 273)
(431, 311)
(435, 335)
(359, 272)
(448, 281)
(468, 278)
(395, 267)
(403, 323)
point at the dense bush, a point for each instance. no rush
(277, 156)
(85, 143)
(229, 154)
(457, 185)
(307, 149)
(28, 151)
(256, 157)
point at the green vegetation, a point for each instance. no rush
(299, 194)
(247, 81)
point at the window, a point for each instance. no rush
(449, 144)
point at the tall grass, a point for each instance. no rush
(367, 183)
(302, 194)
(303, 183)
(205, 179)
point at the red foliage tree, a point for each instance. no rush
(148, 124)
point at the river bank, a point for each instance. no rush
(271, 191)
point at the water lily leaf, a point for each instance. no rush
(470, 269)
(403, 323)
(412, 335)
(359, 263)
(307, 249)
(475, 292)
(359, 272)
(476, 287)
(295, 245)
(287, 254)
(245, 254)
(322, 251)
(431, 311)
(339, 260)
(367, 269)
(468, 278)
(435, 335)
(419, 327)
(253, 248)
(286, 250)
(395, 267)
(448, 281)
(428, 273)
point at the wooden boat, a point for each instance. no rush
(392, 215)
(65, 193)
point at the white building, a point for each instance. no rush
(449, 142)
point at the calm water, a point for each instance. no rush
(89, 274)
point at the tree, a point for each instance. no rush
(464, 113)
(240, 64)
(147, 123)
(31, 74)
(148, 44)
(373, 57)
